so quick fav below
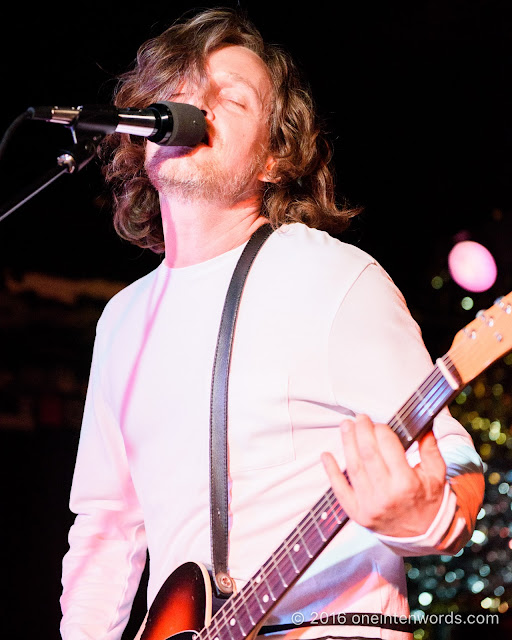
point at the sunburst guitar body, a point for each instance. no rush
(183, 607)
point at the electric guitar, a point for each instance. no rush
(186, 608)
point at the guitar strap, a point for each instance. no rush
(219, 500)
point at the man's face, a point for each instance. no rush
(230, 167)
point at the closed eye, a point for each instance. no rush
(234, 97)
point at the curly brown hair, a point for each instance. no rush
(303, 190)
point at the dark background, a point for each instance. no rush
(417, 100)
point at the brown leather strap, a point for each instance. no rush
(219, 414)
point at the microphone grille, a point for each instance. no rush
(188, 126)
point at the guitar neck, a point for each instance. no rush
(242, 613)
(435, 392)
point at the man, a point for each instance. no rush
(323, 338)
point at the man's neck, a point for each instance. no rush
(198, 231)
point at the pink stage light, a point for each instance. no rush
(472, 266)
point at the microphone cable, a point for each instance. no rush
(12, 128)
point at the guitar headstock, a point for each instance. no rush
(484, 340)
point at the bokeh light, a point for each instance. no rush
(472, 266)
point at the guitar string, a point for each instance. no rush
(435, 375)
(409, 416)
(267, 572)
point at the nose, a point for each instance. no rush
(203, 99)
(205, 106)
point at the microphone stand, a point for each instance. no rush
(69, 161)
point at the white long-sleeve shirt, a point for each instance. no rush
(322, 334)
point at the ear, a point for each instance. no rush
(267, 174)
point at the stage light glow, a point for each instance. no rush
(467, 303)
(477, 586)
(425, 598)
(437, 282)
(478, 537)
(472, 266)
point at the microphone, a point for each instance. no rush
(165, 123)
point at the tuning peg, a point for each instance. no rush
(507, 308)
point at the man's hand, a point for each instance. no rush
(385, 494)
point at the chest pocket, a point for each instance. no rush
(259, 426)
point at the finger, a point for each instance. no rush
(354, 463)
(432, 462)
(370, 450)
(340, 485)
(392, 450)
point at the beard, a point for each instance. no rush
(208, 182)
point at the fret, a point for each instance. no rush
(238, 618)
(287, 567)
(276, 564)
(228, 628)
(243, 599)
(320, 532)
(326, 520)
(444, 392)
(270, 590)
(233, 622)
(310, 555)
(424, 405)
(212, 631)
(420, 406)
(266, 584)
(255, 592)
(433, 394)
(247, 608)
(332, 503)
(290, 556)
(404, 433)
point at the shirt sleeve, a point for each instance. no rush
(377, 360)
(107, 552)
